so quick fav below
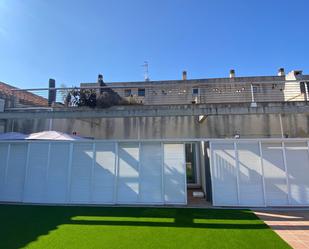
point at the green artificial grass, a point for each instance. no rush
(55, 227)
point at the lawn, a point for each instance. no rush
(118, 227)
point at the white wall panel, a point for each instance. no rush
(297, 158)
(93, 172)
(56, 188)
(274, 174)
(250, 174)
(151, 173)
(174, 174)
(81, 171)
(16, 173)
(104, 173)
(3, 164)
(35, 185)
(224, 174)
(128, 173)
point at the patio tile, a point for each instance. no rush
(292, 226)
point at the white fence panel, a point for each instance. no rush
(57, 180)
(4, 150)
(174, 174)
(36, 173)
(80, 188)
(98, 172)
(15, 175)
(297, 158)
(224, 174)
(266, 172)
(128, 178)
(250, 174)
(151, 173)
(275, 175)
(104, 173)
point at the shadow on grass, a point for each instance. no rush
(21, 225)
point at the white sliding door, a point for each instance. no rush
(103, 184)
(93, 172)
(81, 171)
(174, 174)
(274, 173)
(57, 181)
(250, 174)
(128, 173)
(4, 150)
(15, 172)
(151, 173)
(297, 159)
(36, 175)
(224, 174)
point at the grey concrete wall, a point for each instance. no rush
(27, 126)
(2, 125)
(227, 126)
(2, 102)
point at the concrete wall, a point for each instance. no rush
(225, 126)
(2, 102)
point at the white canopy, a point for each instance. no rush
(52, 135)
(12, 136)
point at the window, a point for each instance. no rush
(195, 91)
(127, 92)
(256, 88)
(141, 92)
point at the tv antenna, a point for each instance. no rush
(146, 71)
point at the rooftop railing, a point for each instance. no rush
(157, 94)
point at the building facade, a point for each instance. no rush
(273, 108)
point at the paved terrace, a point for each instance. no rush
(158, 110)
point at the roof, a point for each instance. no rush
(6, 91)
(253, 79)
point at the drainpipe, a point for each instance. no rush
(281, 126)
(253, 103)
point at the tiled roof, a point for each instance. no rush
(24, 97)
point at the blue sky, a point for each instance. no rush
(73, 41)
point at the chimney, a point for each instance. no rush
(100, 83)
(232, 73)
(281, 72)
(100, 78)
(51, 92)
(184, 75)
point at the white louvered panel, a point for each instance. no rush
(250, 175)
(58, 173)
(151, 173)
(274, 174)
(298, 171)
(3, 164)
(224, 178)
(81, 173)
(104, 173)
(16, 172)
(128, 173)
(35, 189)
(174, 174)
